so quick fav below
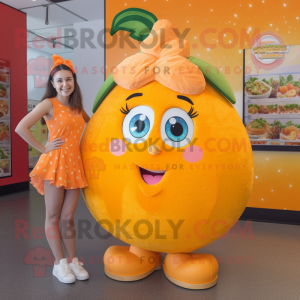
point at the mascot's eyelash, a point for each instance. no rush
(192, 113)
(125, 111)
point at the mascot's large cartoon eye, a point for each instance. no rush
(177, 128)
(138, 124)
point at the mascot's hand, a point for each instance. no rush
(53, 145)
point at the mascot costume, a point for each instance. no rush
(167, 158)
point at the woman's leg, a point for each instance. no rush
(67, 221)
(54, 198)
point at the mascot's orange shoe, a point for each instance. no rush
(191, 270)
(126, 263)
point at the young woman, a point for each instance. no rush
(59, 173)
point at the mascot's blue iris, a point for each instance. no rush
(176, 129)
(139, 125)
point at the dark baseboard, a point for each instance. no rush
(271, 215)
(14, 188)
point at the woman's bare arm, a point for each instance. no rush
(85, 116)
(29, 120)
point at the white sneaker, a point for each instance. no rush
(63, 272)
(77, 269)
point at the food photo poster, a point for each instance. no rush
(272, 93)
(5, 135)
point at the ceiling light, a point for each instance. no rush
(47, 14)
(54, 42)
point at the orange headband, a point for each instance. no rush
(58, 60)
(168, 65)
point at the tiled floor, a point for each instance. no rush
(266, 266)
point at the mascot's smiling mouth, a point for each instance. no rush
(151, 177)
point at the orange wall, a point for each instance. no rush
(217, 15)
(233, 18)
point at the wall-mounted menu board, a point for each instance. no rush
(272, 97)
(5, 124)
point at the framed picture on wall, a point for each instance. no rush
(271, 106)
(5, 115)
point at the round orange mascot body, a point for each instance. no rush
(168, 171)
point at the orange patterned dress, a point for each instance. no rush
(63, 167)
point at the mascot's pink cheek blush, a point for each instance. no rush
(117, 147)
(193, 154)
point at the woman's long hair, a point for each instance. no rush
(75, 100)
